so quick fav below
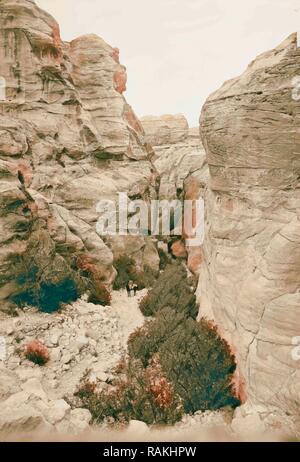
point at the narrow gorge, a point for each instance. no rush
(69, 139)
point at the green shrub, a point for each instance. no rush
(200, 365)
(194, 358)
(126, 269)
(171, 289)
(146, 341)
(47, 296)
(175, 364)
(140, 394)
(163, 259)
(145, 279)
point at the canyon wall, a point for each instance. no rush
(250, 277)
(180, 162)
(68, 139)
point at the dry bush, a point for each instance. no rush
(175, 364)
(140, 394)
(100, 295)
(37, 352)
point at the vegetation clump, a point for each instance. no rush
(195, 359)
(48, 296)
(100, 295)
(137, 394)
(37, 352)
(127, 271)
(172, 289)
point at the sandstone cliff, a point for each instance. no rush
(250, 279)
(68, 139)
(180, 162)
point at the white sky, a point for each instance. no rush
(178, 51)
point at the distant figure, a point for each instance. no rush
(131, 289)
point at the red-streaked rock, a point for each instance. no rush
(178, 249)
(115, 54)
(120, 80)
(133, 121)
(195, 258)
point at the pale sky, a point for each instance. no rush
(177, 52)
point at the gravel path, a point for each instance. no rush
(128, 312)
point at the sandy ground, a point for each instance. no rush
(128, 312)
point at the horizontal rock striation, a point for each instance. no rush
(250, 278)
(68, 139)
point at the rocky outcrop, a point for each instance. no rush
(180, 162)
(250, 277)
(68, 139)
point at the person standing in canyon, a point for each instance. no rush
(131, 289)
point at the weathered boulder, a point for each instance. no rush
(24, 419)
(8, 383)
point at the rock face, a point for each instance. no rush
(165, 130)
(68, 139)
(180, 162)
(250, 278)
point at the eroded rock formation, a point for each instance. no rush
(250, 278)
(180, 162)
(68, 139)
